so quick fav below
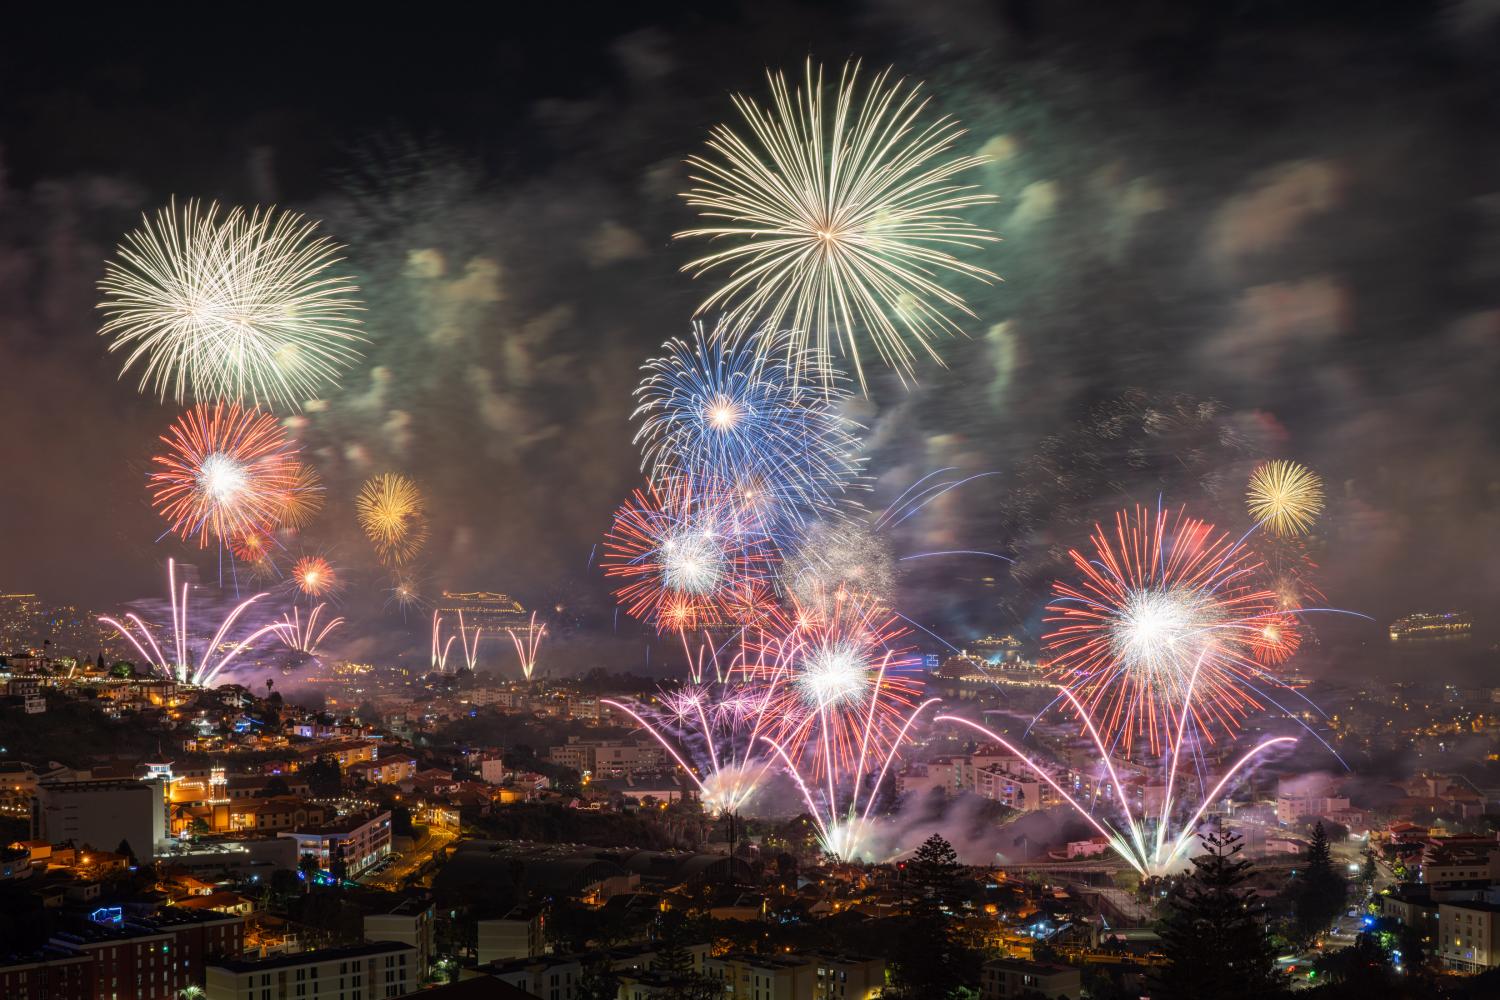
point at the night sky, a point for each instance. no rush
(1231, 231)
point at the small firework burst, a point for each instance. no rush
(315, 576)
(393, 515)
(683, 555)
(1286, 497)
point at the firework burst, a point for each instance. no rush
(225, 474)
(844, 677)
(302, 499)
(393, 515)
(722, 405)
(684, 555)
(836, 221)
(1164, 603)
(243, 307)
(315, 576)
(1286, 497)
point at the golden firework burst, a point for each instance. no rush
(1286, 497)
(393, 515)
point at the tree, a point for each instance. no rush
(275, 786)
(933, 869)
(1320, 891)
(598, 982)
(1367, 876)
(323, 777)
(124, 848)
(1215, 946)
(308, 866)
(926, 960)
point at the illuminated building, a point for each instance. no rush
(103, 812)
(362, 840)
(1426, 625)
(18, 621)
(383, 969)
(1469, 935)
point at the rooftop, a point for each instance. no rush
(315, 957)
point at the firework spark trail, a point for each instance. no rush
(1129, 839)
(526, 649)
(305, 638)
(725, 407)
(181, 668)
(238, 308)
(471, 649)
(226, 473)
(732, 770)
(835, 225)
(842, 812)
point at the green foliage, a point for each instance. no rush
(1215, 945)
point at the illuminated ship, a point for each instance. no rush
(1428, 625)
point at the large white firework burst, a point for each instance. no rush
(842, 223)
(243, 307)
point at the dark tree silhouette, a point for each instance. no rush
(1319, 892)
(1215, 945)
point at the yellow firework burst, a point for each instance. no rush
(394, 517)
(1286, 497)
(839, 224)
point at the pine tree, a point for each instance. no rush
(934, 868)
(1320, 891)
(1216, 947)
(1367, 876)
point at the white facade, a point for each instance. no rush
(367, 972)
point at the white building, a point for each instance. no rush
(1469, 936)
(362, 972)
(102, 812)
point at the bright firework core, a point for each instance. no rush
(221, 477)
(834, 675)
(692, 563)
(1160, 634)
(722, 413)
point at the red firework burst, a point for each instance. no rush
(314, 576)
(1280, 639)
(684, 558)
(843, 681)
(1166, 613)
(225, 473)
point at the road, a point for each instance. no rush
(393, 876)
